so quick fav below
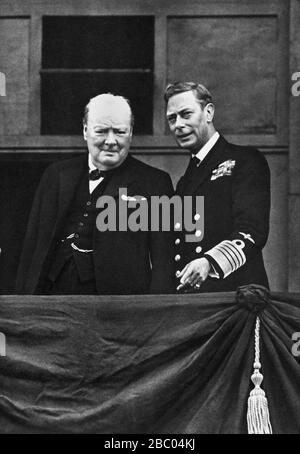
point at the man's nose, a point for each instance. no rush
(179, 122)
(110, 138)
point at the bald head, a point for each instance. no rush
(113, 105)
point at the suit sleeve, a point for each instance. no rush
(162, 246)
(250, 210)
(38, 221)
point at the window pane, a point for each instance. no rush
(98, 42)
(65, 95)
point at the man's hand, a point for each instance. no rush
(194, 273)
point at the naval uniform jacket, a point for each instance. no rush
(235, 183)
(125, 262)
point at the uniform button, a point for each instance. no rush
(177, 257)
(85, 215)
(177, 241)
(81, 224)
(198, 249)
(177, 273)
(76, 235)
(197, 217)
(89, 203)
(198, 233)
(177, 225)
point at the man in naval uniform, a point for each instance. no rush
(235, 184)
(64, 250)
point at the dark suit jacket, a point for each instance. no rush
(124, 262)
(236, 216)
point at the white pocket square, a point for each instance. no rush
(223, 169)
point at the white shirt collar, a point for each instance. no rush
(208, 146)
(91, 164)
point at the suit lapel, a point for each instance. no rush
(123, 177)
(69, 180)
(209, 163)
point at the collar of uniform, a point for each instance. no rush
(207, 147)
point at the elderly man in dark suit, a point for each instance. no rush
(66, 249)
(235, 184)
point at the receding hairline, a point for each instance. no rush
(110, 99)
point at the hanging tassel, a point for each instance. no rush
(258, 417)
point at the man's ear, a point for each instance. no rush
(84, 131)
(210, 112)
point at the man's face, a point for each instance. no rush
(108, 132)
(188, 121)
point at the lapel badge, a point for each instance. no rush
(223, 169)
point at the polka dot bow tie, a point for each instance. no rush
(96, 174)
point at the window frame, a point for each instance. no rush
(161, 10)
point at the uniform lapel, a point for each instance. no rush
(209, 163)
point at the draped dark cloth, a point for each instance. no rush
(144, 364)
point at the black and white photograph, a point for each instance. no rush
(150, 219)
